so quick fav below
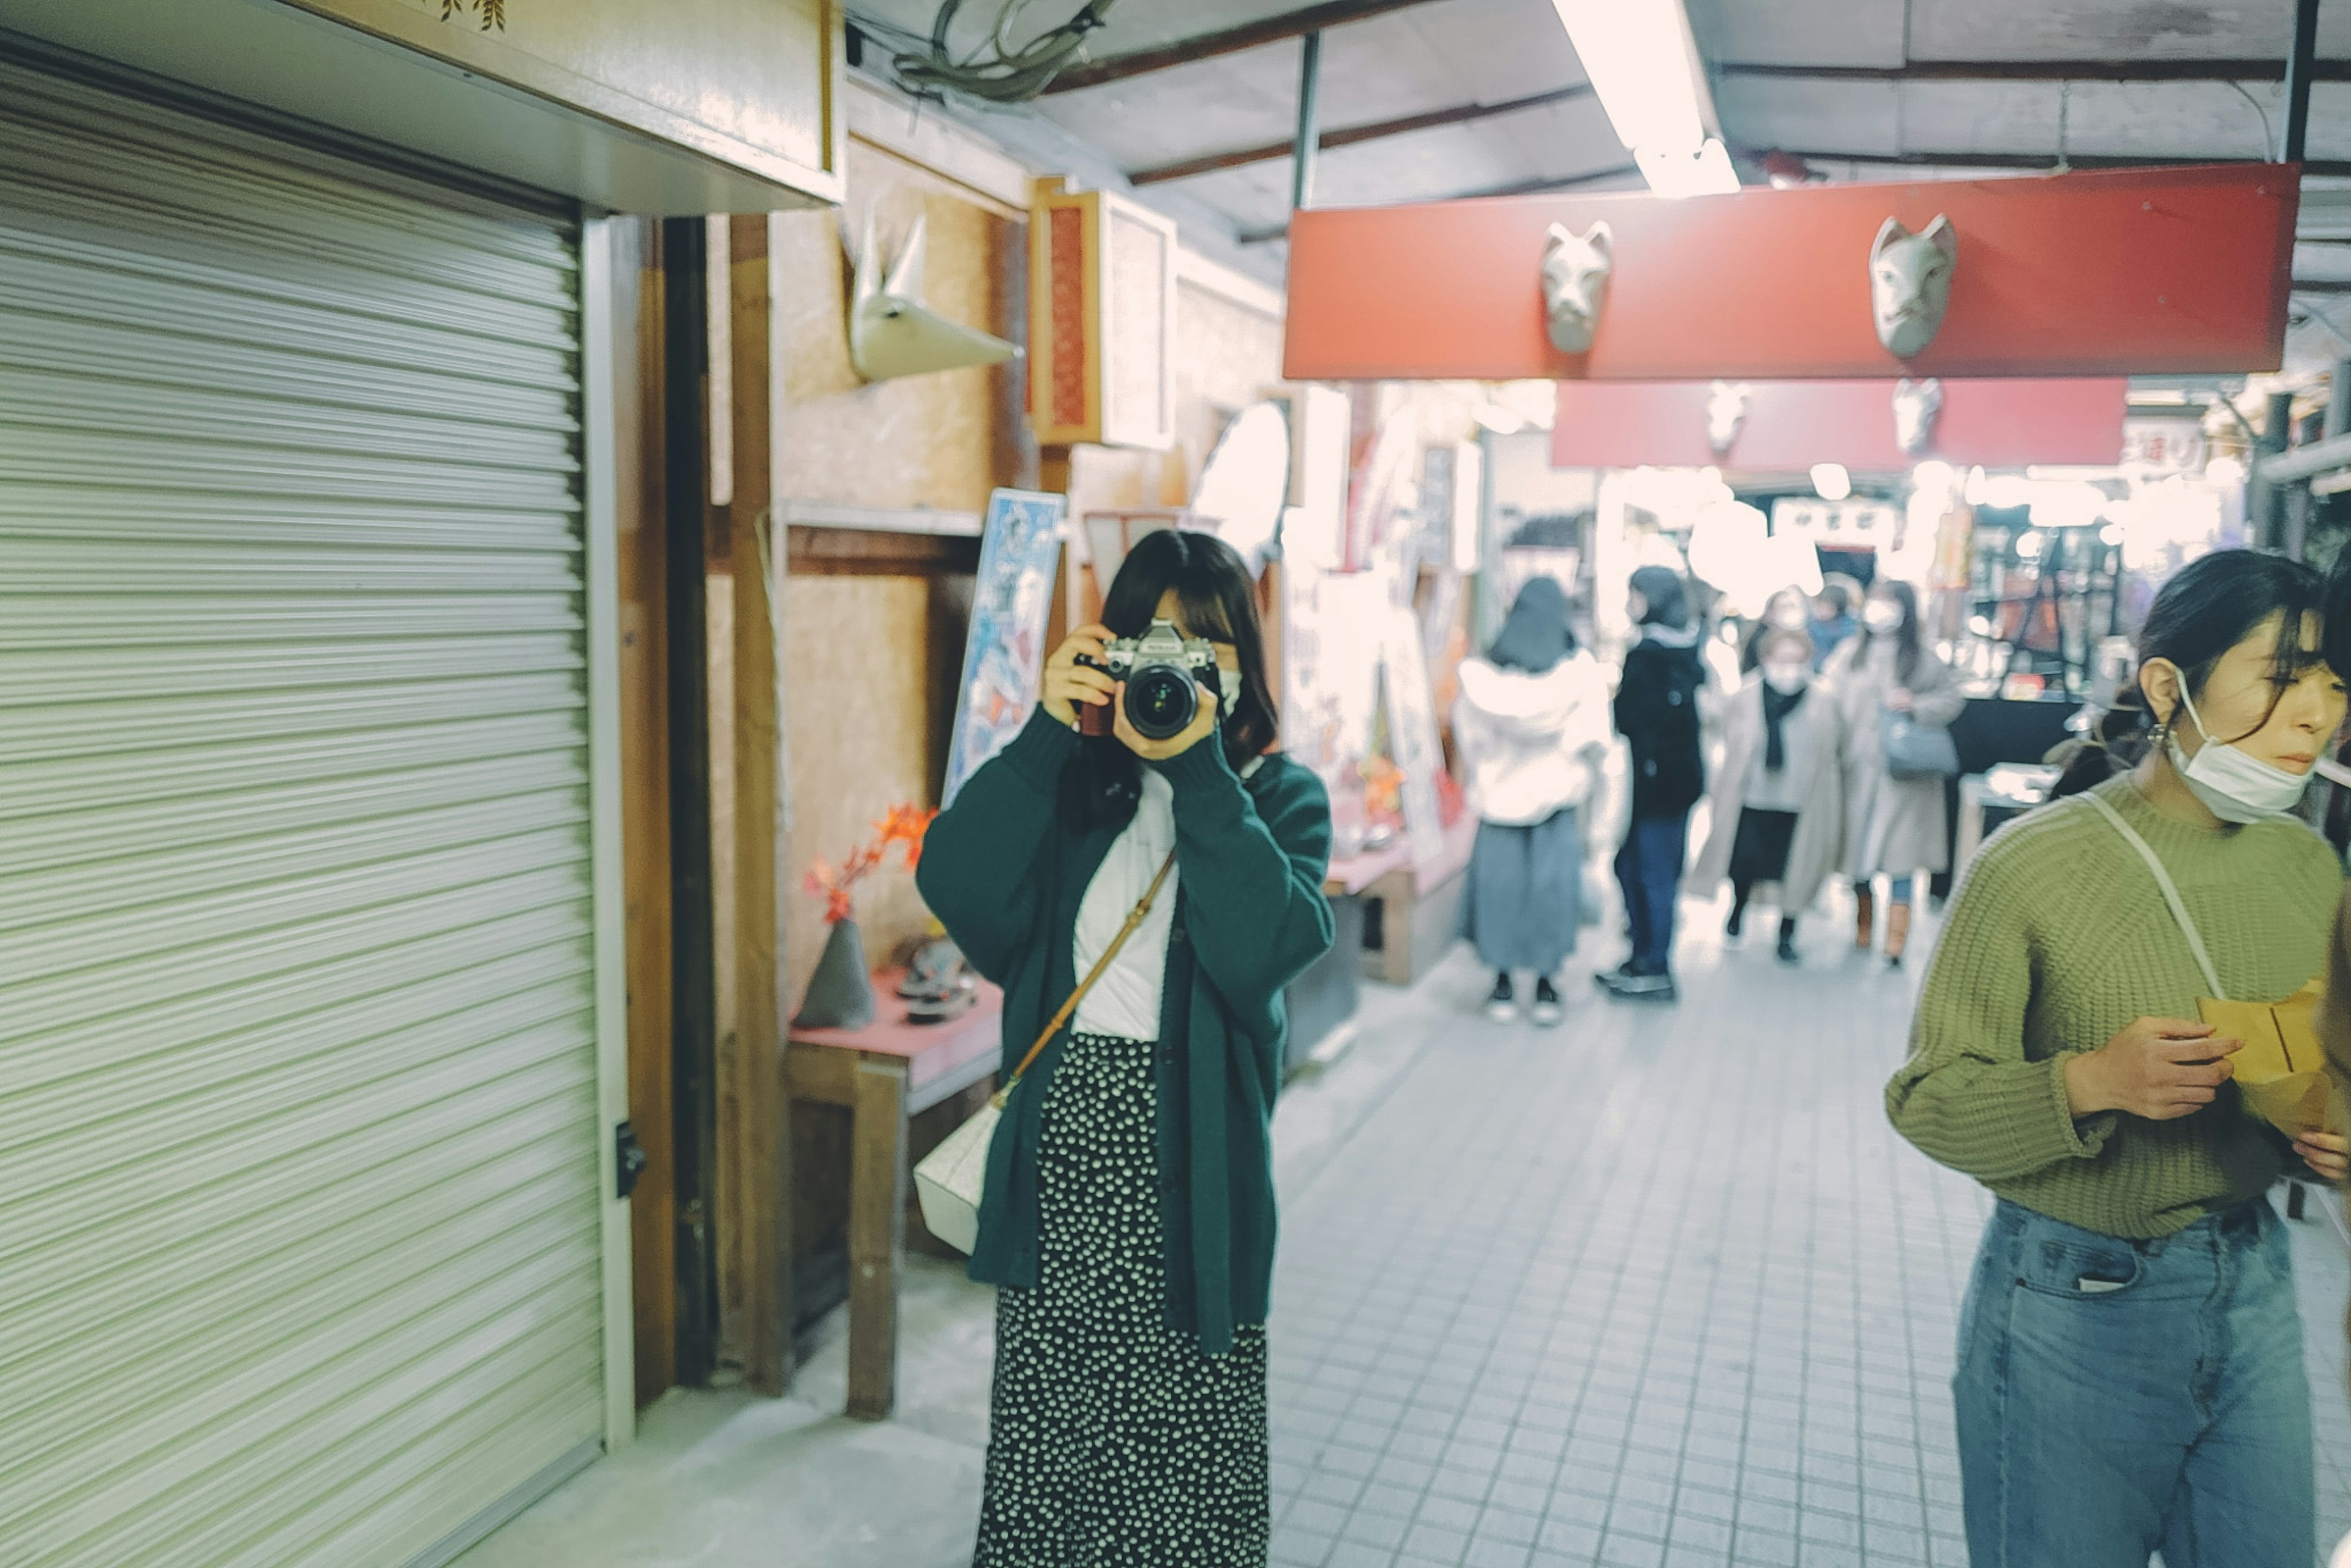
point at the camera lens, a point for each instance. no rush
(1161, 701)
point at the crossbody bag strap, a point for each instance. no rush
(2170, 895)
(1102, 967)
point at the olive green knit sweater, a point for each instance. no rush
(2057, 939)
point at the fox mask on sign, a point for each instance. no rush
(892, 333)
(1575, 272)
(1911, 283)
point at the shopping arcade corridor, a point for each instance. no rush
(1657, 1288)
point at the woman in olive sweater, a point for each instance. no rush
(1128, 1220)
(2130, 1374)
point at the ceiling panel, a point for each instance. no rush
(1761, 112)
(1432, 57)
(1799, 32)
(2115, 29)
(2158, 120)
(1255, 198)
(2329, 262)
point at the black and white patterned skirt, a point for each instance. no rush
(1114, 1441)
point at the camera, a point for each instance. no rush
(1164, 671)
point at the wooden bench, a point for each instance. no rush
(884, 1075)
(1418, 913)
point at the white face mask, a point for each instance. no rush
(2235, 785)
(1229, 692)
(1882, 618)
(1786, 678)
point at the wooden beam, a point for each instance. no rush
(638, 357)
(1226, 41)
(1353, 136)
(684, 252)
(2111, 70)
(822, 551)
(764, 1203)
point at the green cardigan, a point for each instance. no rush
(1004, 873)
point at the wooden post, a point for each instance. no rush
(877, 1230)
(639, 357)
(759, 546)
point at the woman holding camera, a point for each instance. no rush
(1128, 1219)
(2130, 1368)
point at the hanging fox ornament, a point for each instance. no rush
(892, 333)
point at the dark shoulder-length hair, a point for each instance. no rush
(1219, 600)
(1908, 637)
(2209, 606)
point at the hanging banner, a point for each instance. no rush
(1788, 426)
(2111, 273)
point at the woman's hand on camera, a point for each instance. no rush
(2161, 1069)
(1068, 682)
(1203, 725)
(2326, 1154)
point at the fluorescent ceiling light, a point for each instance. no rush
(1832, 481)
(1643, 67)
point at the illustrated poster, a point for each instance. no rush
(1004, 657)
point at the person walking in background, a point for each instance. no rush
(1128, 1218)
(1779, 796)
(1786, 611)
(1656, 711)
(1895, 828)
(1832, 625)
(2129, 1375)
(1531, 724)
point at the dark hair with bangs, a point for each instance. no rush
(1909, 640)
(2209, 606)
(1218, 599)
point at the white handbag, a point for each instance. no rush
(952, 1179)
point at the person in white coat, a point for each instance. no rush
(1895, 828)
(1779, 796)
(1531, 724)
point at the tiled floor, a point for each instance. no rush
(1658, 1288)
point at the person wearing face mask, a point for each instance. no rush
(1895, 828)
(1657, 712)
(2130, 1371)
(1779, 796)
(1531, 724)
(1128, 1211)
(1786, 611)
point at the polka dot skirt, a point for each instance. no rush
(1113, 1442)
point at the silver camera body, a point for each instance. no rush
(1164, 671)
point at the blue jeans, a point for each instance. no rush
(1649, 870)
(2116, 1397)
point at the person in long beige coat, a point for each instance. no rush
(1779, 820)
(1895, 828)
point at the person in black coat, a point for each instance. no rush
(1656, 711)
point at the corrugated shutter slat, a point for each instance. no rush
(302, 1256)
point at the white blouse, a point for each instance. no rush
(1124, 1002)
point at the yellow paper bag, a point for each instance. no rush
(2281, 1070)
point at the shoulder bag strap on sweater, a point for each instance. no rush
(1102, 967)
(2170, 894)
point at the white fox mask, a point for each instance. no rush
(892, 333)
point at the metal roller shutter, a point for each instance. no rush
(302, 1256)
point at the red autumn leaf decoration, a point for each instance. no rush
(902, 827)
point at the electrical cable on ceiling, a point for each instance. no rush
(2269, 136)
(998, 71)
